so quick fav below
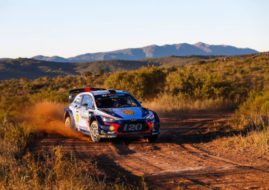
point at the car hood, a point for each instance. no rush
(127, 113)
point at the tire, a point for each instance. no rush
(152, 138)
(95, 137)
(68, 122)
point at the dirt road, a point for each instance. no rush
(185, 156)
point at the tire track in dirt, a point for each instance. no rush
(200, 151)
(176, 160)
(209, 178)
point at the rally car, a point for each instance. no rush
(101, 113)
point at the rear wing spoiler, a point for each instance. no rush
(72, 93)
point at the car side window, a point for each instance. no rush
(88, 100)
(77, 100)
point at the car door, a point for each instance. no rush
(86, 111)
(75, 107)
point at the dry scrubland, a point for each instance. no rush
(234, 84)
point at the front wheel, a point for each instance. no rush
(94, 132)
(152, 138)
(68, 122)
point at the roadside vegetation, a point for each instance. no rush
(234, 84)
(252, 118)
(215, 84)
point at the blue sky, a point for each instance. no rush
(71, 27)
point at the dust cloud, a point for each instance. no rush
(48, 117)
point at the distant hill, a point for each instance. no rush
(154, 51)
(31, 68)
(53, 58)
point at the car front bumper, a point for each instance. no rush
(128, 135)
(152, 130)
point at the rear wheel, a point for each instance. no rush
(94, 132)
(152, 138)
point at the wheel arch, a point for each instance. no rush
(95, 118)
(68, 113)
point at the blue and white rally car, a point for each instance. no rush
(102, 113)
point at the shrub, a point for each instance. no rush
(144, 83)
(203, 85)
(254, 113)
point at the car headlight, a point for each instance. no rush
(107, 119)
(150, 116)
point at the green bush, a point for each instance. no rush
(254, 113)
(144, 83)
(203, 85)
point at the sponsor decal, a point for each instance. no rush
(77, 118)
(128, 112)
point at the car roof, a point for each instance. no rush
(102, 92)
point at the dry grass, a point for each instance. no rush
(254, 113)
(166, 103)
(252, 118)
(256, 142)
(22, 169)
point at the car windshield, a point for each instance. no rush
(115, 101)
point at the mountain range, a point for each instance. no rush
(31, 68)
(154, 51)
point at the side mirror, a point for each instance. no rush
(70, 97)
